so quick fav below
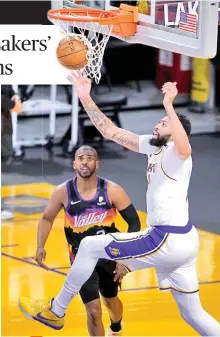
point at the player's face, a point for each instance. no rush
(86, 164)
(162, 133)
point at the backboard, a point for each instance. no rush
(185, 27)
(100, 4)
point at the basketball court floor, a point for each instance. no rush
(147, 311)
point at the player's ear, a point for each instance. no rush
(74, 165)
(97, 164)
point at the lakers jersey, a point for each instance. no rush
(88, 217)
(168, 179)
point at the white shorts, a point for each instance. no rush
(173, 255)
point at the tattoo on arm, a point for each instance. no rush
(107, 128)
(101, 122)
(125, 138)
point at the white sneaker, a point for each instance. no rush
(6, 215)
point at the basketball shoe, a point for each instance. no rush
(40, 311)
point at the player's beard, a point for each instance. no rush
(159, 141)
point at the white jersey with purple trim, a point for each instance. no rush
(168, 180)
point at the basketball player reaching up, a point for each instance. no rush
(90, 205)
(170, 243)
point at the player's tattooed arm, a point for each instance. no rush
(127, 139)
(105, 126)
(101, 122)
(108, 129)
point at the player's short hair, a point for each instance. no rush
(86, 147)
(185, 123)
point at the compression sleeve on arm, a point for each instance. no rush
(130, 215)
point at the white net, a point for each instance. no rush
(95, 37)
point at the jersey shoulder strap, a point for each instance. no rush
(72, 196)
(102, 183)
(103, 191)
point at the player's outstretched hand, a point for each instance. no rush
(18, 105)
(120, 272)
(16, 98)
(40, 257)
(170, 91)
(81, 83)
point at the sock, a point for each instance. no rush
(55, 309)
(116, 326)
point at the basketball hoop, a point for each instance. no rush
(94, 27)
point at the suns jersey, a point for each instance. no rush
(88, 217)
(168, 180)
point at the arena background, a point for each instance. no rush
(130, 94)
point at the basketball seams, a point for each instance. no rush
(78, 52)
(71, 53)
(79, 44)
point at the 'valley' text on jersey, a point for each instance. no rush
(87, 217)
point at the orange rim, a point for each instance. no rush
(123, 20)
(84, 15)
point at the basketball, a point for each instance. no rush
(71, 53)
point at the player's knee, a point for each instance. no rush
(94, 312)
(111, 303)
(85, 244)
(191, 315)
(92, 244)
(185, 315)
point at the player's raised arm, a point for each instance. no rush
(180, 138)
(105, 126)
(119, 198)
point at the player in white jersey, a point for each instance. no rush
(170, 243)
